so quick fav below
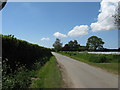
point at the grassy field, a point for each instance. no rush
(49, 76)
(106, 62)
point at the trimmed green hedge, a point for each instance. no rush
(17, 54)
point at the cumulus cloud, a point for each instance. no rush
(79, 31)
(105, 20)
(59, 35)
(45, 39)
(75, 32)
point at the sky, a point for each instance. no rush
(42, 22)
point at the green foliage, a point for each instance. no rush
(99, 59)
(95, 58)
(57, 45)
(107, 62)
(49, 76)
(19, 52)
(18, 59)
(19, 79)
(72, 46)
(94, 43)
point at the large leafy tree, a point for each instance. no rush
(74, 45)
(94, 43)
(57, 45)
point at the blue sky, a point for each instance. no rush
(34, 21)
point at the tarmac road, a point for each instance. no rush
(80, 75)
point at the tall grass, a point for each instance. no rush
(48, 77)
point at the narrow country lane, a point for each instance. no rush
(81, 75)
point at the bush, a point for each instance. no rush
(98, 59)
(116, 58)
(18, 58)
(23, 53)
(20, 79)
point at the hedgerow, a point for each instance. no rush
(17, 54)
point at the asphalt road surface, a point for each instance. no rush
(80, 75)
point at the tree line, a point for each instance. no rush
(94, 43)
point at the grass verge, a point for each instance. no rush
(106, 62)
(49, 76)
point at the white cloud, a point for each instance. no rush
(76, 32)
(105, 20)
(59, 35)
(45, 39)
(79, 31)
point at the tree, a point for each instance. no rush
(94, 43)
(72, 46)
(57, 45)
(83, 48)
(66, 48)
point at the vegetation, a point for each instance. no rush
(18, 59)
(57, 45)
(48, 76)
(94, 43)
(107, 62)
(21, 78)
(71, 46)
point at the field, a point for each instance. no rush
(104, 53)
(49, 76)
(106, 62)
